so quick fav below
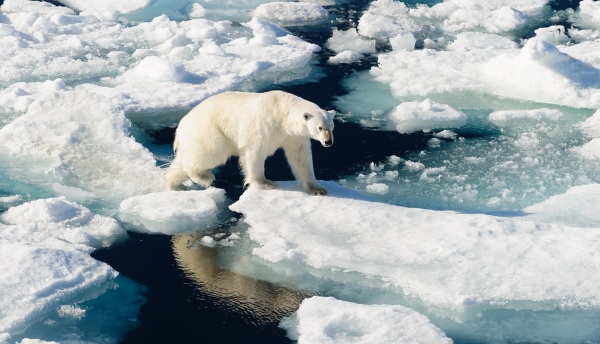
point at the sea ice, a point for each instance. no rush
(385, 19)
(69, 79)
(291, 13)
(158, 65)
(508, 117)
(64, 220)
(173, 212)
(576, 207)
(328, 320)
(454, 263)
(414, 116)
(350, 40)
(504, 16)
(84, 144)
(44, 248)
(541, 72)
(590, 10)
(346, 56)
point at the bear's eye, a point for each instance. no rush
(320, 128)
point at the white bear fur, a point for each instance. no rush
(252, 126)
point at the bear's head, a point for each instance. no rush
(320, 126)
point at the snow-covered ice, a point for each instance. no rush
(327, 320)
(455, 261)
(350, 40)
(413, 116)
(82, 145)
(157, 65)
(45, 248)
(495, 278)
(291, 13)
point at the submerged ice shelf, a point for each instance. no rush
(506, 94)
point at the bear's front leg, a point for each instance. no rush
(253, 168)
(299, 156)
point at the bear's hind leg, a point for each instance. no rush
(175, 176)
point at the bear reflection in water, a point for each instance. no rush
(263, 302)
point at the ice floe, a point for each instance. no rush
(85, 145)
(45, 250)
(350, 40)
(463, 263)
(414, 116)
(327, 320)
(291, 13)
(173, 212)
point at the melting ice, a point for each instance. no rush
(499, 243)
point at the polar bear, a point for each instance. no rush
(252, 126)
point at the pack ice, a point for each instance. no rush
(488, 233)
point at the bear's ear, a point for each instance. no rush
(307, 116)
(332, 113)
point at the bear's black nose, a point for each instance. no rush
(328, 143)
